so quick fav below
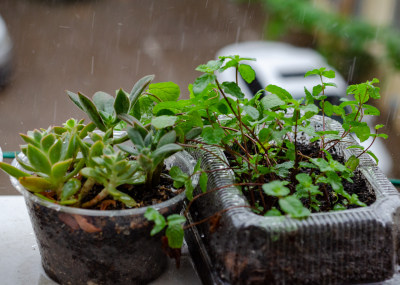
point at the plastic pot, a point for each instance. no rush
(343, 247)
(81, 246)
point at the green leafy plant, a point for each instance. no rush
(80, 165)
(261, 138)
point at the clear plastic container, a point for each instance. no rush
(81, 246)
(343, 247)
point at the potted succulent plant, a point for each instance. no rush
(286, 195)
(105, 203)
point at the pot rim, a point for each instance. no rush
(182, 155)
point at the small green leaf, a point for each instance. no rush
(135, 136)
(212, 135)
(165, 91)
(91, 110)
(121, 103)
(103, 102)
(252, 112)
(352, 162)
(280, 92)
(162, 122)
(193, 133)
(59, 169)
(293, 206)
(75, 98)
(167, 138)
(175, 234)
(175, 219)
(70, 188)
(138, 89)
(233, 89)
(166, 149)
(153, 215)
(373, 156)
(47, 141)
(247, 73)
(210, 67)
(276, 188)
(38, 160)
(274, 212)
(203, 182)
(201, 83)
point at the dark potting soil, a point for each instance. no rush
(358, 187)
(162, 192)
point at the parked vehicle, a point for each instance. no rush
(5, 53)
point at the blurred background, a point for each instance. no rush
(50, 46)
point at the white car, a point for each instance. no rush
(5, 53)
(285, 65)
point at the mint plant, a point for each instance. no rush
(262, 137)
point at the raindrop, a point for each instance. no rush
(92, 70)
(237, 34)
(351, 70)
(182, 41)
(138, 55)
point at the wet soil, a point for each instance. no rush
(358, 186)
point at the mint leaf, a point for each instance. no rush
(165, 91)
(233, 89)
(247, 73)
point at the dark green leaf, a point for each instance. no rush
(135, 136)
(203, 182)
(293, 206)
(75, 98)
(175, 234)
(233, 89)
(70, 188)
(91, 110)
(168, 138)
(193, 133)
(103, 102)
(162, 122)
(201, 83)
(352, 162)
(276, 188)
(166, 149)
(212, 135)
(121, 104)
(138, 89)
(252, 112)
(153, 215)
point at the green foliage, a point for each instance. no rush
(173, 224)
(261, 137)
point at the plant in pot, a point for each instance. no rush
(291, 197)
(94, 194)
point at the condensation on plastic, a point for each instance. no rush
(82, 246)
(343, 247)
